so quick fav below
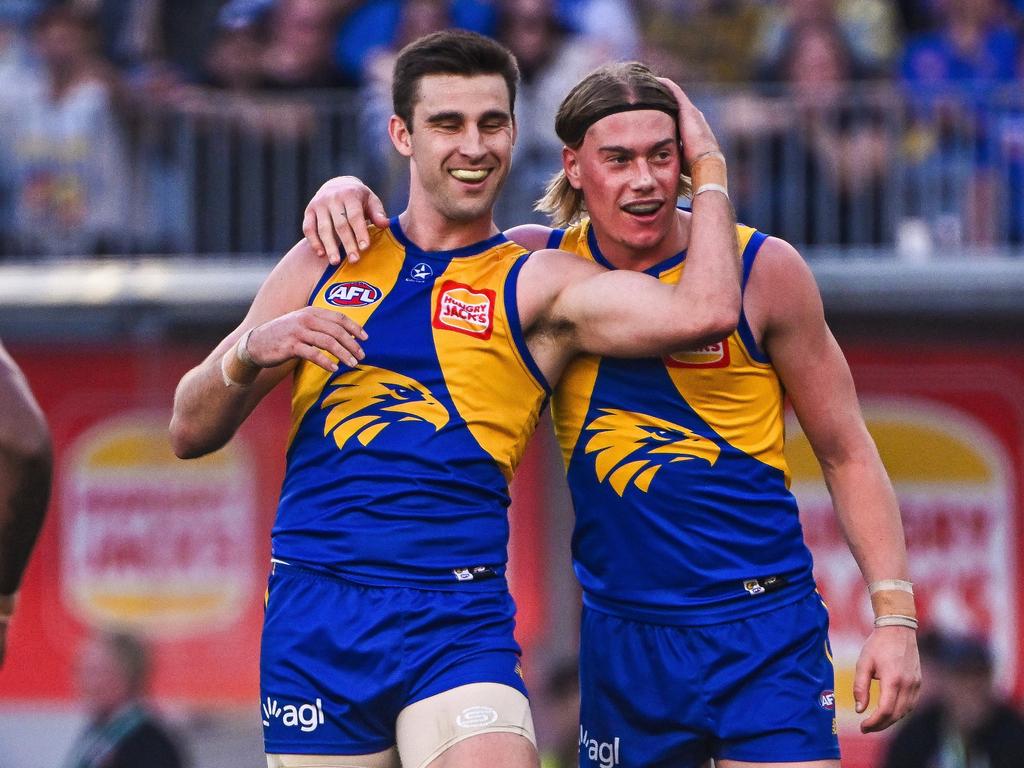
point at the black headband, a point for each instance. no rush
(627, 107)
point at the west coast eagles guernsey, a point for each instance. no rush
(677, 475)
(398, 470)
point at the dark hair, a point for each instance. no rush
(606, 90)
(450, 52)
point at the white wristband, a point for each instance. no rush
(711, 188)
(242, 348)
(898, 585)
(896, 620)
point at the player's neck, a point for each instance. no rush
(622, 256)
(431, 230)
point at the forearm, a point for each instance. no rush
(868, 515)
(211, 402)
(710, 287)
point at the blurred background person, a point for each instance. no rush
(122, 731)
(559, 729)
(968, 723)
(65, 152)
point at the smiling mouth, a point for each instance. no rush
(642, 209)
(470, 176)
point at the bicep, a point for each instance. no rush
(814, 371)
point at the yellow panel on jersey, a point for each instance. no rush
(482, 353)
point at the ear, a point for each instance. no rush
(400, 135)
(571, 166)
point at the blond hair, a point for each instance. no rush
(606, 90)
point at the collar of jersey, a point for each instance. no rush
(653, 270)
(466, 250)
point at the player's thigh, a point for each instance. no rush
(470, 725)
(386, 759)
(745, 764)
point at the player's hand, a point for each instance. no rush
(335, 219)
(310, 333)
(696, 135)
(889, 656)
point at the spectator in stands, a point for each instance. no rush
(551, 60)
(964, 135)
(969, 725)
(869, 28)
(373, 25)
(824, 147)
(66, 153)
(299, 52)
(113, 670)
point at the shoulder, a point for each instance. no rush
(781, 287)
(533, 237)
(776, 265)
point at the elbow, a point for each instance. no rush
(185, 442)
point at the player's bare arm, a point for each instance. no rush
(784, 308)
(26, 464)
(214, 398)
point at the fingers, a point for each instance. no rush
(326, 240)
(359, 237)
(885, 713)
(376, 210)
(862, 685)
(311, 233)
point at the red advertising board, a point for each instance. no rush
(949, 424)
(176, 551)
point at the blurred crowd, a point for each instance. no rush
(131, 126)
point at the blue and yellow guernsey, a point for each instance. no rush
(398, 470)
(675, 464)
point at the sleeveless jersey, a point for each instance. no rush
(677, 475)
(397, 470)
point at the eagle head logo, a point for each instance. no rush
(632, 447)
(367, 400)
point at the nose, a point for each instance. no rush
(472, 144)
(643, 178)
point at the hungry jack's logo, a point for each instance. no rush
(465, 309)
(367, 400)
(632, 447)
(709, 356)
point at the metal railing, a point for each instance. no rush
(869, 171)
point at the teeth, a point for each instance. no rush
(642, 208)
(466, 175)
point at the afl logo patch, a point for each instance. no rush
(827, 700)
(352, 294)
(476, 717)
(711, 356)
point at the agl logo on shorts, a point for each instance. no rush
(465, 309)
(604, 753)
(307, 717)
(358, 293)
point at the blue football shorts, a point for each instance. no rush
(339, 660)
(759, 689)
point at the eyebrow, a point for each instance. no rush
(458, 117)
(663, 144)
